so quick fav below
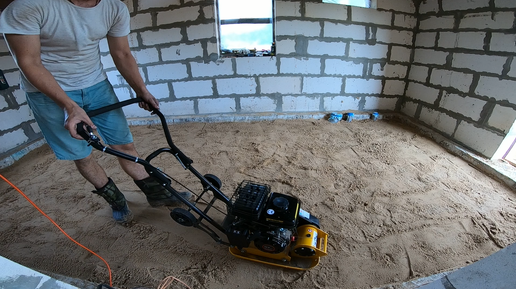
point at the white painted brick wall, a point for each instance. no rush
(340, 103)
(178, 15)
(399, 53)
(107, 61)
(366, 15)
(115, 78)
(394, 37)
(316, 47)
(35, 127)
(394, 87)
(481, 140)
(503, 42)
(444, 22)
(409, 108)
(209, 12)
(502, 118)
(480, 63)
(512, 71)
(286, 46)
(338, 30)
(418, 73)
(406, 6)
(487, 20)
(150, 38)
(322, 84)
(342, 67)
(223, 67)
(303, 66)
(467, 106)
(13, 117)
(257, 104)
(201, 31)
(505, 4)
(297, 27)
(288, 9)
(145, 56)
(406, 21)
(378, 51)
(280, 84)
(159, 90)
(123, 93)
(422, 92)
(256, 65)
(194, 88)
(181, 52)
(426, 39)
(140, 21)
(167, 72)
(236, 86)
(3, 46)
(438, 120)
(7, 62)
(134, 111)
(146, 4)
(468, 40)
(427, 56)
(3, 103)
(20, 96)
(326, 11)
(464, 4)
(428, 6)
(359, 85)
(217, 105)
(132, 38)
(454, 79)
(390, 70)
(12, 139)
(13, 78)
(182, 107)
(499, 89)
(300, 103)
(380, 103)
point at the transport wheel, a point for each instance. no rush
(214, 180)
(183, 217)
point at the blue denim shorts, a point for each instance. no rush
(112, 126)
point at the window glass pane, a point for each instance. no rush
(246, 36)
(238, 9)
(359, 3)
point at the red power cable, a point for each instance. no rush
(60, 229)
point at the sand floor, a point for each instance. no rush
(396, 207)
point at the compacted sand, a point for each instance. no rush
(396, 207)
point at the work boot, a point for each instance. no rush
(116, 201)
(157, 195)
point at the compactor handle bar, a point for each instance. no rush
(92, 139)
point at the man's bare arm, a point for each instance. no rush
(126, 65)
(26, 49)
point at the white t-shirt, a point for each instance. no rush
(69, 36)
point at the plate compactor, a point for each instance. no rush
(258, 225)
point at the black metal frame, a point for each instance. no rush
(86, 132)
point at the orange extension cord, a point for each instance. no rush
(60, 229)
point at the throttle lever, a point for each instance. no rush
(88, 135)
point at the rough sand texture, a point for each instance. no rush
(396, 206)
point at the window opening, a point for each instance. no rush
(510, 156)
(246, 27)
(359, 3)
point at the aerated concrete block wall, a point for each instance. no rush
(329, 58)
(462, 80)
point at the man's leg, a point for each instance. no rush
(134, 170)
(105, 187)
(92, 171)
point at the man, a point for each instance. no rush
(55, 43)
